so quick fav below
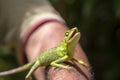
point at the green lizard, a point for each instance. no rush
(53, 56)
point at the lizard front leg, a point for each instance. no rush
(57, 62)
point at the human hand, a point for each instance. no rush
(48, 36)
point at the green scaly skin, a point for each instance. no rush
(53, 56)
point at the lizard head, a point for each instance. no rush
(71, 39)
(72, 36)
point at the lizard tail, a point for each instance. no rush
(16, 70)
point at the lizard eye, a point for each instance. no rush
(66, 34)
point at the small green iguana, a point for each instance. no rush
(53, 56)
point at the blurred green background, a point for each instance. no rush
(99, 24)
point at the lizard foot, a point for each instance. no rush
(28, 78)
(68, 67)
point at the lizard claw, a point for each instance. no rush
(29, 78)
(68, 67)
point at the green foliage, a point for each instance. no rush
(8, 61)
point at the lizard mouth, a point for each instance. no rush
(75, 34)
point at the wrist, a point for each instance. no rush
(46, 36)
(31, 32)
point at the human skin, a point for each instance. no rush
(48, 36)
